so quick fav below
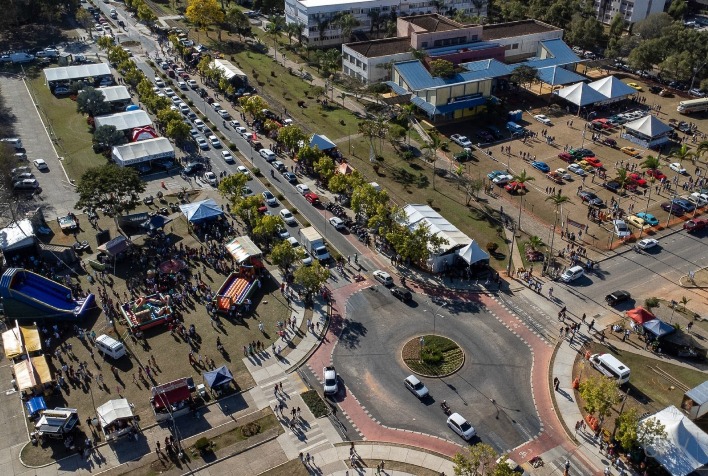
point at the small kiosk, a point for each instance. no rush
(172, 399)
(57, 423)
(116, 419)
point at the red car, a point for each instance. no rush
(566, 157)
(594, 161)
(695, 224)
(638, 180)
(656, 174)
(515, 187)
(312, 198)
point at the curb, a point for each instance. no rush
(568, 433)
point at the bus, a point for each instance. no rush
(694, 105)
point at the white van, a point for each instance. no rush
(571, 274)
(611, 367)
(15, 142)
(110, 347)
(268, 154)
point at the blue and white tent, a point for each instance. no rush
(198, 212)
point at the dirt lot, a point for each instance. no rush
(572, 136)
(170, 352)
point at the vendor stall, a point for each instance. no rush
(21, 340)
(172, 399)
(147, 312)
(218, 380)
(115, 418)
(33, 374)
(57, 423)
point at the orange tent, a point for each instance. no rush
(640, 315)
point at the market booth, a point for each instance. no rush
(57, 423)
(115, 418)
(21, 340)
(172, 399)
(33, 375)
(218, 380)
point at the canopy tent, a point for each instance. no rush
(143, 151)
(581, 95)
(472, 253)
(242, 249)
(198, 212)
(155, 222)
(12, 342)
(35, 405)
(658, 328)
(115, 94)
(218, 377)
(612, 88)
(322, 142)
(115, 246)
(114, 410)
(33, 372)
(648, 126)
(71, 73)
(345, 169)
(640, 315)
(21, 339)
(685, 448)
(31, 338)
(18, 235)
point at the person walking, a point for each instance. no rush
(556, 383)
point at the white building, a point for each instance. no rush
(631, 10)
(319, 16)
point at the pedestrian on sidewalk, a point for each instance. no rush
(590, 326)
(298, 412)
(556, 383)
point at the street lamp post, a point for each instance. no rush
(435, 314)
(511, 249)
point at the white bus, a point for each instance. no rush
(693, 105)
(611, 367)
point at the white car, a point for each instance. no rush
(216, 106)
(211, 178)
(383, 277)
(194, 132)
(502, 179)
(159, 82)
(182, 85)
(215, 142)
(226, 155)
(282, 232)
(269, 198)
(224, 114)
(576, 169)
(461, 140)
(241, 130)
(278, 165)
(192, 84)
(699, 199)
(288, 217)
(169, 92)
(416, 387)
(199, 124)
(304, 256)
(234, 123)
(302, 188)
(40, 164)
(202, 143)
(647, 243)
(563, 174)
(337, 223)
(176, 100)
(543, 119)
(331, 384)
(243, 170)
(621, 228)
(461, 426)
(184, 109)
(676, 167)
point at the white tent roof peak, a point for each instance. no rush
(649, 125)
(472, 253)
(424, 214)
(612, 88)
(581, 94)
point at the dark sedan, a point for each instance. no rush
(590, 198)
(672, 208)
(685, 204)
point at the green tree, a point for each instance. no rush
(617, 26)
(396, 133)
(524, 75)
(178, 131)
(600, 395)
(266, 227)
(535, 242)
(246, 208)
(272, 29)
(347, 23)
(105, 42)
(295, 30)
(366, 199)
(238, 21)
(311, 278)
(109, 185)
(682, 154)
(283, 255)
(471, 187)
(109, 136)
(651, 163)
(623, 179)
(630, 431)
(92, 102)
(677, 10)
(291, 136)
(166, 115)
(407, 113)
(329, 61)
(84, 18)
(476, 460)
(325, 168)
(145, 14)
(441, 68)
(652, 26)
(646, 54)
(345, 183)
(117, 55)
(374, 130)
(231, 186)
(253, 105)
(309, 155)
(204, 13)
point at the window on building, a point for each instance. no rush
(424, 44)
(363, 66)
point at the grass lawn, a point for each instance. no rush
(294, 467)
(315, 403)
(171, 353)
(73, 139)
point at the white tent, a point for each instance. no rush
(612, 88)
(581, 94)
(472, 253)
(143, 151)
(18, 235)
(114, 410)
(648, 126)
(685, 447)
(124, 121)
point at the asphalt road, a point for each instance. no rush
(492, 390)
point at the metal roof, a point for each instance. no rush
(124, 120)
(699, 394)
(556, 75)
(68, 73)
(418, 77)
(143, 151)
(558, 54)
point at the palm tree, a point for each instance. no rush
(651, 163)
(702, 148)
(520, 179)
(296, 30)
(346, 24)
(622, 179)
(535, 242)
(273, 30)
(407, 113)
(683, 153)
(432, 146)
(558, 200)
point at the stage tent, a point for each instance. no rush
(581, 95)
(242, 249)
(198, 212)
(612, 88)
(472, 253)
(322, 142)
(33, 372)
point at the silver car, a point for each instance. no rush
(416, 386)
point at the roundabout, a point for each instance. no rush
(491, 386)
(433, 356)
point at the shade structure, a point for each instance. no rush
(116, 246)
(36, 404)
(685, 448)
(658, 327)
(242, 249)
(640, 315)
(581, 94)
(322, 142)
(114, 410)
(32, 372)
(198, 212)
(12, 343)
(21, 339)
(649, 126)
(472, 253)
(124, 121)
(612, 88)
(218, 377)
(18, 235)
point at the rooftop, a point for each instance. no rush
(433, 22)
(68, 73)
(124, 120)
(330, 3)
(385, 47)
(517, 28)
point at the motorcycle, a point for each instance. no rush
(445, 408)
